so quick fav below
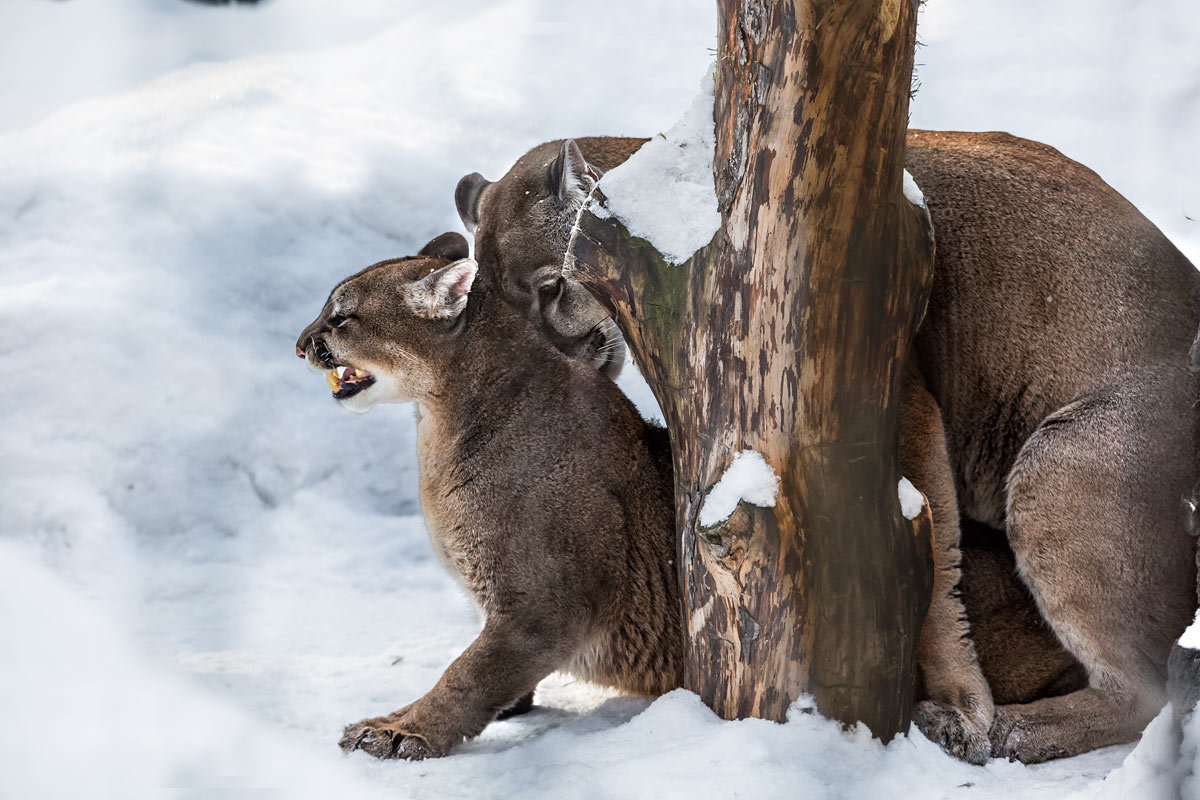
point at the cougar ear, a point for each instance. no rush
(450, 245)
(570, 176)
(466, 198)
(442, 294)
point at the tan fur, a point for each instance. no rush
(1017, 650)
(1056, 349)
(544, 492)
(1049, 398)
(958, 699)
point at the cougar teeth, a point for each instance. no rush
(341, 372)
(332, 379)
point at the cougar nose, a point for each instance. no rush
(299, 351)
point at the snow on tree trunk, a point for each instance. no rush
(786, 336)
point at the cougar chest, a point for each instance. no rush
(456, 529)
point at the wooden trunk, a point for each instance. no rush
(787, 335)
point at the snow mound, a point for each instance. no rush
(665, 193)
(131, 730)
(87, 717)
(911, 501)
(749, 478)
(1159, 768)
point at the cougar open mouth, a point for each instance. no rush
(346, 382)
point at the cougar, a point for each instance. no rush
(544, 491)
(1048, 400)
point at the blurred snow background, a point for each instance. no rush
(206, 569)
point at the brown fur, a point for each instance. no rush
(527, 259)
(1005, 620)
(1049, 398)
(544, 492)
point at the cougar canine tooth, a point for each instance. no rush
(331, 378)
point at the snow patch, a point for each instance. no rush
(912, 192)
(749, 478)
(1155, 769)
(1191, 637)
(665, 193)
(638, 391)
(134, 731)
(911, 501)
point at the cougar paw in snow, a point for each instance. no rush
(957, 734)
(386, 737)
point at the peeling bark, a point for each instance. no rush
(787, 335)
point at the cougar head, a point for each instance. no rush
(522, 224)
(379, 336)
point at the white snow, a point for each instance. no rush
(1158, 768)
(748, 478)
(85, 716)
(1188, 765)
(664, 193)
(911, 501)
(207, 569)
(1190, 639)
(1047, 73)
(912, 192)
(110, 724)
(639, 392)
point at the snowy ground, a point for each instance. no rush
(206, 569)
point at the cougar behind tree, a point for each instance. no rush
(1049, 400)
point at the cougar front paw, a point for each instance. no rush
(385, 737)
(957, 733)
(1020, 739)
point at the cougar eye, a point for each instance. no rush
(551, 291)
(338, 320)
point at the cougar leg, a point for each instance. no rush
(1093, 522)
(956, 706)
(512, 653)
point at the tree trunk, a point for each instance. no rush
(787, 335)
